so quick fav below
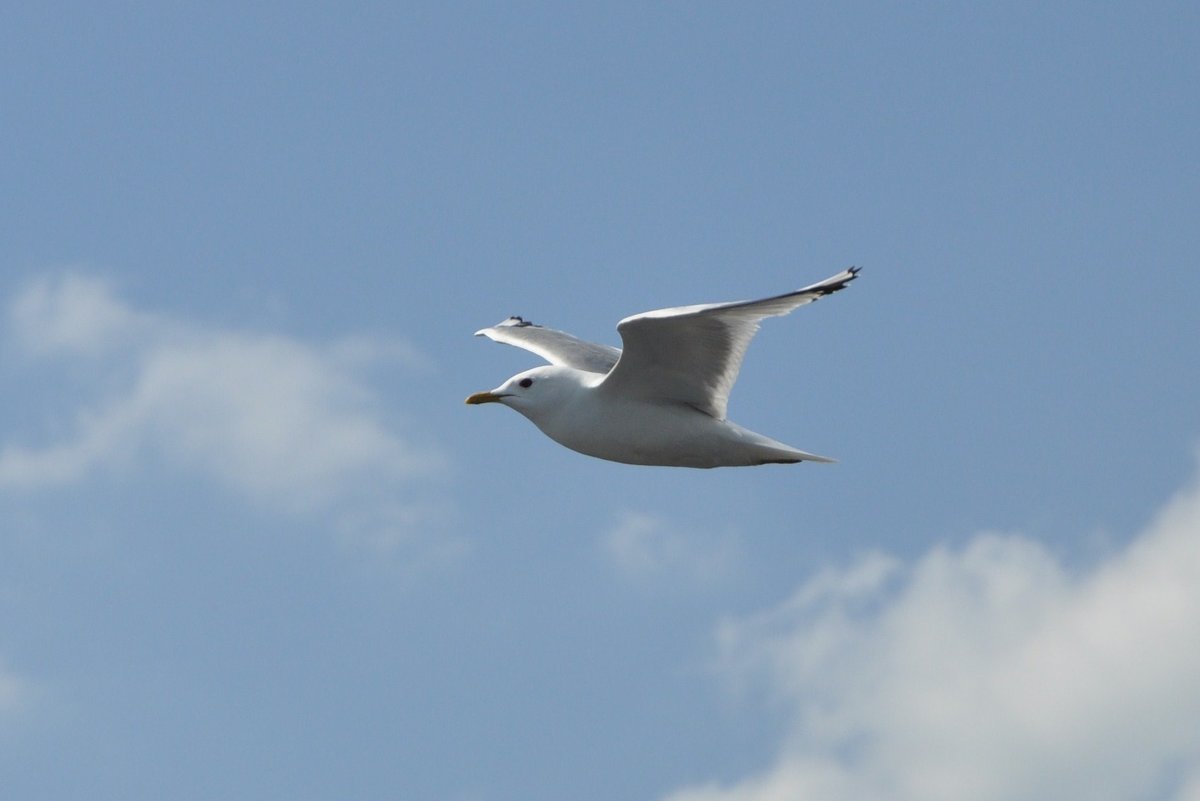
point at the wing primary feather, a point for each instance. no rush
(516, 321)
(556, 347)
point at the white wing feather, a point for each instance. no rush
(556, 347)
(692, 354)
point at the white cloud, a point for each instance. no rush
(286, 423)
(986, 672)
(643, 546)
(74, 313)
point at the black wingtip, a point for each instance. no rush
(830, 288)
(518, 322)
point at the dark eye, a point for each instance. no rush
(525, 383)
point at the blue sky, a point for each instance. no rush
(253, 545)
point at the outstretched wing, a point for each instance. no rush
(692, 354)
(556, 347)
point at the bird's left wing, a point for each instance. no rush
(556, 347)
(692, 354)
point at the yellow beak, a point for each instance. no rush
(484, 397)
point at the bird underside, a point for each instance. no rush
(658, 435)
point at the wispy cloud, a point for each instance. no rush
(645, 547)
(15, 692)
(289, 424)
(986, 672)
(74, 314)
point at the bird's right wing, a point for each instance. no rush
(692, 354)
(556, 347)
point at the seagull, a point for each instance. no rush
(661, 399)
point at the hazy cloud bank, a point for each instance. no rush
(986, 672)
(289, 424)
(647, 548)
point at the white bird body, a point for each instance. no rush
(662, 399)
(642, 432)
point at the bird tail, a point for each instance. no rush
(769, 451)
(788, 455)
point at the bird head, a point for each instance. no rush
(533, 393)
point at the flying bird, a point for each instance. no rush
(661, 399)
